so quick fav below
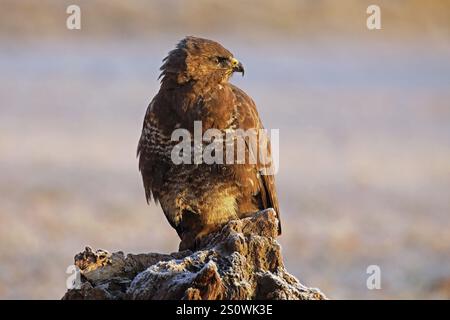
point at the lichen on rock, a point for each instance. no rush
(241, 261)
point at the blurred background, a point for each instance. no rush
(364, 119)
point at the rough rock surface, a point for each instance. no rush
(242, 261)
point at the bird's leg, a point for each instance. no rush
(188, 229)
(186, 244)
(193, 240)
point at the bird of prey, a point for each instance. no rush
(198, 199)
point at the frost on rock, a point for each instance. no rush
(241, 261)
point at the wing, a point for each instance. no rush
(152, 150)
(248, 118)
(145, 153)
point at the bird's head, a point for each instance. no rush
(197, 59)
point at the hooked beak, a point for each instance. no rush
(237, 66)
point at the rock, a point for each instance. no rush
(241, 261)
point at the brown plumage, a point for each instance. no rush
(199, 198)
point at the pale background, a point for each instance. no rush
(364, 119)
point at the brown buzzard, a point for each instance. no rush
(199, 198)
